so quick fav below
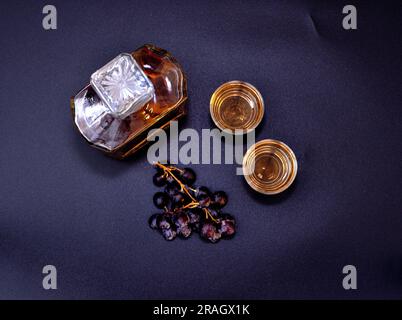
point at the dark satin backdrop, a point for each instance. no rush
(333, 95)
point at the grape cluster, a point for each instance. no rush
(187, 208)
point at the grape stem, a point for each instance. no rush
(168, 171)
(208, 215)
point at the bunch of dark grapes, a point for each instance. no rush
(187, 208)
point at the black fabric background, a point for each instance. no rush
(333, 95)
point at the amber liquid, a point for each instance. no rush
(270, 166)
(236, 105)
(236, 111)
(267, 168)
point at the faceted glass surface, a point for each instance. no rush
(115, 135)
(122, 85)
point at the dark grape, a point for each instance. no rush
(204, 201)
(169, 234)
(185, 231)
(202, 192)
(181, 218)
(209, 232)
(154, 221)
(171, 189)
(165, 223)
(182, 221)
(227, 226)
(178, 199)
(161, 200)
(203, 196)
(219, 199)
(171, 180)
(195, 218)
(159, 179)
(188, 176)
